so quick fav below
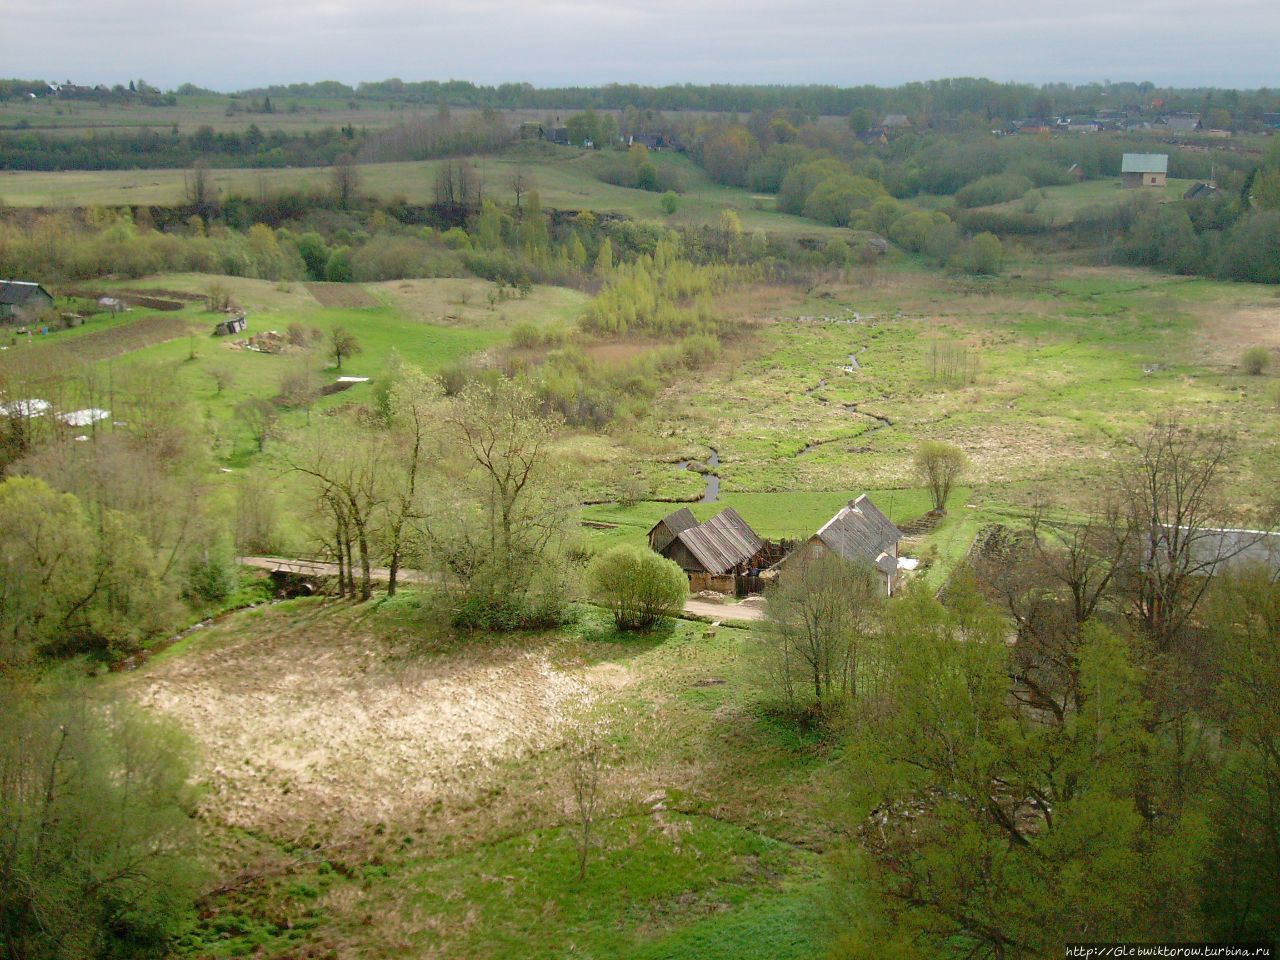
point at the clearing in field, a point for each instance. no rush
(315, 720)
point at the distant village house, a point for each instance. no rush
(1145, 169)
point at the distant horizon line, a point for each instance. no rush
(685, 84)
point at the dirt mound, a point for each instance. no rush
(341, 295)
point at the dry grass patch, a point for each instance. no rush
(342, 296)
(308, 715)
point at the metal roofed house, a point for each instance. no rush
(1144, 169)
(23, 299)
(715, 553)
(1182, 124)
(1212, 550)
(859, 532)
(670, 527)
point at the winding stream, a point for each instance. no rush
(711, 490)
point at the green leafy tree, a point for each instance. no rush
(1243, 901)
(984, 833)
(669, 202)
(638, 586)
(97, 840)
(604, 258)
(342, 345)
(983, 255)
(338, 268)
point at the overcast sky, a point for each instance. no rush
(237, 44)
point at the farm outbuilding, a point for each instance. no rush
(859, 532)
(1145, 169)
(670, 527)
(226, 328)
(717, 554)
(23, 300)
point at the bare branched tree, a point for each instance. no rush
(345, 179)
(587, 764)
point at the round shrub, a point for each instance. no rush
(638, 586)
(1256, 360)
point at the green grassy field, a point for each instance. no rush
(562, 175)
(1061, 205)
(1061, 366)
(292, 115)
(429, 323)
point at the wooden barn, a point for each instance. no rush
(860, 532)
(670, 527)
(719, 554)
(23, 300)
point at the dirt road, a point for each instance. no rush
(726, 612)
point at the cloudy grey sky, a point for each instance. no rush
(235, 44)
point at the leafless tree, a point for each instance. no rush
(345, 178)
(198, 188)
(521, 183)
(940, 466)
(458, 184)
(414, 403)
(821, 620)
(346, 468)
(587, 763)
(260, 417)
(222, 376)
(1174, 510)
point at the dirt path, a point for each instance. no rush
(319, 568)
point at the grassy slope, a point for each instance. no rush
(430, 323)
(729, 869)
(1068, 364)
(562, 175)
(1061, 204)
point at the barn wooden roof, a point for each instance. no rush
(860, 531)
(722, 542)
(681, 519)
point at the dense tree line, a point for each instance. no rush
(949, 97)
(1075, 742)
(252, 147)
